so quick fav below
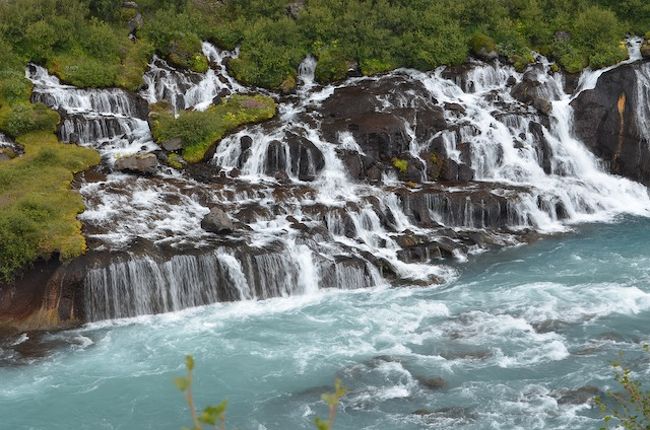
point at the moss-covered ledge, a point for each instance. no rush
(38, 209)
(199, 131)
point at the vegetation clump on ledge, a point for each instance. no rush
(38, 210)
(199, 130)
(86, 42)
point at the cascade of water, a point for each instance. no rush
(188, 90)
(5, 141)
(643, 101)
(307, 71)
(110, 120)
(304, 222)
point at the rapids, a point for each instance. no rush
(355, 255)
(521, 339)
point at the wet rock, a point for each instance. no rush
(354, 163)
(282, 177)
(143, 164)
(435, 383)
(306, 159)
(217, 221)
(606, 121)
(409, 168)
(466, 355)
(531, 92)
(579, 396)
(549, 326)
(245, 143)
(276, 158)
(173, 144)
(542, 147)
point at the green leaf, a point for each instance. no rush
(182, 383)
(322, 424)
(189, 363)
(211, 414)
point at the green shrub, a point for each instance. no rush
(332, 65)
(20, 118)
(38, 211)
(629, 409)
(373, 66)
(482, 43)
(77, 68)
(200, 130)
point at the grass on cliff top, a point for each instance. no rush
(38, 210)
(200, 130)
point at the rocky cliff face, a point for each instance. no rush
(613, 119)
(374, 181)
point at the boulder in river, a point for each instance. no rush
(144, 164)
(217, 221)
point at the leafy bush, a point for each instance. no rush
(631, 408)
(200, 130)
(38, 211)
(20, 118)
(482, 43)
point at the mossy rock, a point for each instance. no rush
(401, 165)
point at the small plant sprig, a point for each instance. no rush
(213, 416)
(332, 400)
(632, 410)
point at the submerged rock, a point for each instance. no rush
(435, 383)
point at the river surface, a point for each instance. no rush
(511, 337)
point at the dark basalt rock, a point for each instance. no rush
(435, 383)
(143, 164)
(217, 221)
(306, 159)
(606, 121)
(171, 145)
(579, 396)
(529, 91)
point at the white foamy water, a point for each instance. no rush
(305, 223)
(523, 339)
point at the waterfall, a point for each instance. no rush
(185, 90)
(316, 202)
(140, 285)
(643, 101)
(109, 120)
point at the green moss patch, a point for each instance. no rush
(200, 130)
(38, 210)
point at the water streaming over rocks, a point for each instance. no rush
(372, 181)
(523, 339)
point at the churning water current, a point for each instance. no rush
(516, 338)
